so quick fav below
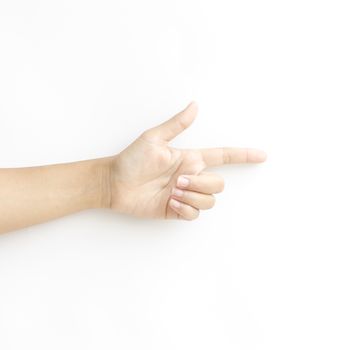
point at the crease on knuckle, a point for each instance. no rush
(181, 124)
(226, 155)
(246, 155)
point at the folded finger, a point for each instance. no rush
(194, 199)
(185, 211)
(204, 183)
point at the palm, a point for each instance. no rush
(148, 169)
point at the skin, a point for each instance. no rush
(147, 180)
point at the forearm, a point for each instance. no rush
(37, 194)
(148, 179)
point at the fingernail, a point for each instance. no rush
(183, 181)
(174, 203)
(177, 192)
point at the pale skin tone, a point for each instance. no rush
(148, 179)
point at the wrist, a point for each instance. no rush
(111, 189)
(104, 169)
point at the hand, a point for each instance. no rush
(150, 179)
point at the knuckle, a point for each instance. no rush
(221, 185)
(212, 201)
(181, 124)
(148, 134)
(226, 155)
(193, 216)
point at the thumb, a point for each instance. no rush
(175, 125)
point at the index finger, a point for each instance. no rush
(232, 155)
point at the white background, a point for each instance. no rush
(268, 266)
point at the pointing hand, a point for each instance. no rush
(151, 179)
